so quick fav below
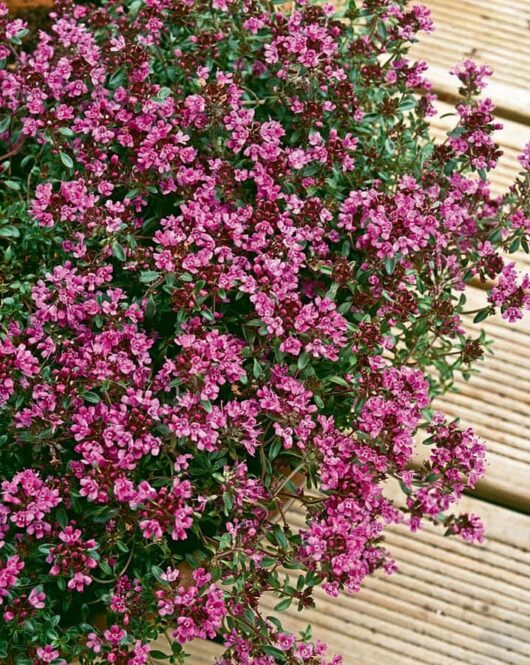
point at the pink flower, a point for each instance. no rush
(151, 529)
(37, 599)
(291, 345)
(48, 654)
(79, 581)
(524, 158)
(512, 297)
(14, 28)
(471, 75)
(9, 574)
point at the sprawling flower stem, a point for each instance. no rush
(232, 257)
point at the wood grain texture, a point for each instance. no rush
(495, 33)
(496, 403)
(450, 603)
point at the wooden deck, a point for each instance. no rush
(452, 603)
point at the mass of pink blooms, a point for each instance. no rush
(235, 264)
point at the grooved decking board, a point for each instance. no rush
(492, 32)
(453, 603)
(496, 403)
(450, 603)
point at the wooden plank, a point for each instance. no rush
(25, 5)
(453, 603)
(495, 33)
(450, 603)
(496, 404)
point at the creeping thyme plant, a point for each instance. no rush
(233, 267)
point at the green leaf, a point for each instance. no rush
(228, 502)
(257, 369)
(118, 252)
(406, 490)
(66, 131)
(150, 309)
(407, 104)
(339, 380)
(104, 566)
(267, 648)
(44, 548)
(207, 405)
(134, 8)
(122, 546)
(91, 397)
(515, 245)
(427, 414)
(280, 537)
(66, 160)
(163, 93)
(275, 449)
(117, 78)
(61, 516)
(283, 605)
(148, 276)
(160, 655)
(303, 360)
(426, 153)
(483, 314)
(9, 232)
(225, 541)
(157, 573)
(390, 265)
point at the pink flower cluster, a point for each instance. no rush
(343, 527)
(509, 295)
(456, 462)
(9, 574)
(472, 76)
(391, 225)
(245, 652)
(25, 501)
(199, 607)
(25, 606)
(113, 647)
(73, 557)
